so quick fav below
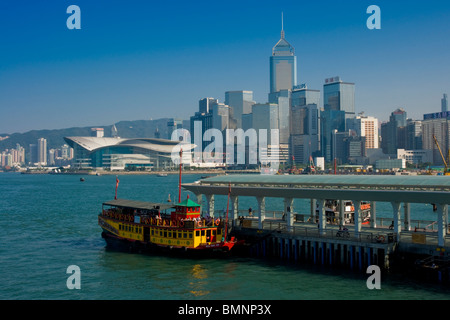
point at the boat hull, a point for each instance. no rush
(114, 242)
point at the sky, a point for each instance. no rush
(141, 60)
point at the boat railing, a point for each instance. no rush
(381, 222)
(163, 220)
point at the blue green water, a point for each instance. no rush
(49, 222)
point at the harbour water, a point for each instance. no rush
(49, 222)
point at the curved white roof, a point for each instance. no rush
(158, 145)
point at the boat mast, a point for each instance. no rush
(179, 183)
(228, 206)
(117, 185)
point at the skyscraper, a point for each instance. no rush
(42, 151)
(205, 104)
(367, 127)
(283, 65)
(444, 103)
(172, 125)
(413, 134)
(340, 96)
(398, 116)
(304, 124)
(393, 133)
(33, 153)
(304, 132)
(301, 96)
(220, 116)
(265, 116)
(436, 125)
(331, 121)
(338, 107)
(241, 102)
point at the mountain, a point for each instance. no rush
(55, 138)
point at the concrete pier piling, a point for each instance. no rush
(348, 254)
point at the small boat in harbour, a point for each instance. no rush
(148, 226)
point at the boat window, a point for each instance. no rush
(165, 234)
(203, 232)
(184, 235)
(153, 232)
(190, 235)
(170, 234)
(214, 232)
(174, 235)
(197, 233)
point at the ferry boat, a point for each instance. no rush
(146, 225)
(171, 226)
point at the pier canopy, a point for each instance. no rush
(413, 189)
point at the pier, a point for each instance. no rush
(317, 238)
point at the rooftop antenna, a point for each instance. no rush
(282, 26)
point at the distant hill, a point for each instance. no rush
(55, 138)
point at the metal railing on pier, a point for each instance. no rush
(367, 235)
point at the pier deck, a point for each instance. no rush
(321, 241)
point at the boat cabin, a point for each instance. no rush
(186, 209)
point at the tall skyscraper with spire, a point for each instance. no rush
(283, 65)
(283, 77)
(444, 103)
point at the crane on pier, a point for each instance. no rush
(446, 162)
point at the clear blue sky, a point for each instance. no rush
(135, 60)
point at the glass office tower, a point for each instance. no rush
(305, 129)
(283, 66)
(339, 105)
(331, 120)
(339, 96)
(241, 102)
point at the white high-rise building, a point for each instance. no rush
(42, 151)
(366, 127)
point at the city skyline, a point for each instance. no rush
(153, 61)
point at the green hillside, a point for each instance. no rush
(55, 138)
